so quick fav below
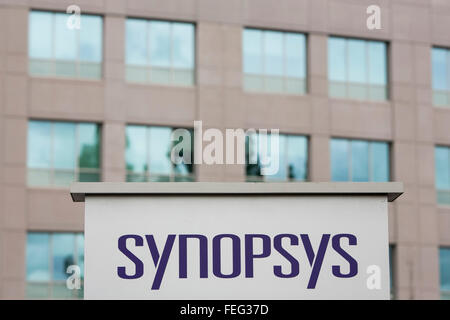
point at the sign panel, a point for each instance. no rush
(236, 247)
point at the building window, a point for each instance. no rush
(148, 155)
(442, 174)
(160, 52)
(359, 160)
(440, 60)
(357, 69)
(62, 152)
(444, 267)
(47, 257)
(274, 61)
(56, 50)
(292, 158)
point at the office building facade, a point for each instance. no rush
(100, 103)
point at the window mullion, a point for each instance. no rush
(263, 56)
(347, 68)
(284, 62)
(53, 57)
(148, 48)
(171, 41)
(286, 153)
(77, 63)
(147, 151)
(369, 161)
(448, 169)
(368, 86)
(349, 155)
(52, 154)
(448, 77)
(50, 290)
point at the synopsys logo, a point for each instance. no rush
(315, 256)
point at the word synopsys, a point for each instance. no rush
(315, 256)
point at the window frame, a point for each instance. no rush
(77, 62)
(442, 293)
(436, 91)
(147, 175)
(284, 77)
(369, 153)
(262, 178)
(367, 84)
(77, 170)
(52, 282)
(149, 67)
(447, 191)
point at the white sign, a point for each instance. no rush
(236, 247)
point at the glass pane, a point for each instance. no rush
(64, 145)
(38, 255)
(339, 159)
(379, 153)
(185, 168)
(131, 177)
(439, 69)
(295, 55)
(357, 71)
(337, 59)
(159, 150)
(360, 160)
(282, 173)
(160, 43)
(273, 50)
(65, 68)
(39, 144)
(65, 39)
(444, 268)
(38, 290)
(40, 34)
(91, 33)
(63, 254)
(136, 149)
(297, 157)
(183, 45)
(63, 177)
(251, 155)
(88, 176)
(79, 238)
(252, 45)
(89, 145)
(377, 62)
(90, 70)
(60, 291)
(442, 165)
(136, 42)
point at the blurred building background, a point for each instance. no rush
(100, 103)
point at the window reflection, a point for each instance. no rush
(160, 52)
(148, 155)
(442, 174)
(357, 69)
(274, 61)
(292, 157)
(440, 64)
(444, 268)
(359, 160)
(62, 152)
(56, 50)
(47, 257)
